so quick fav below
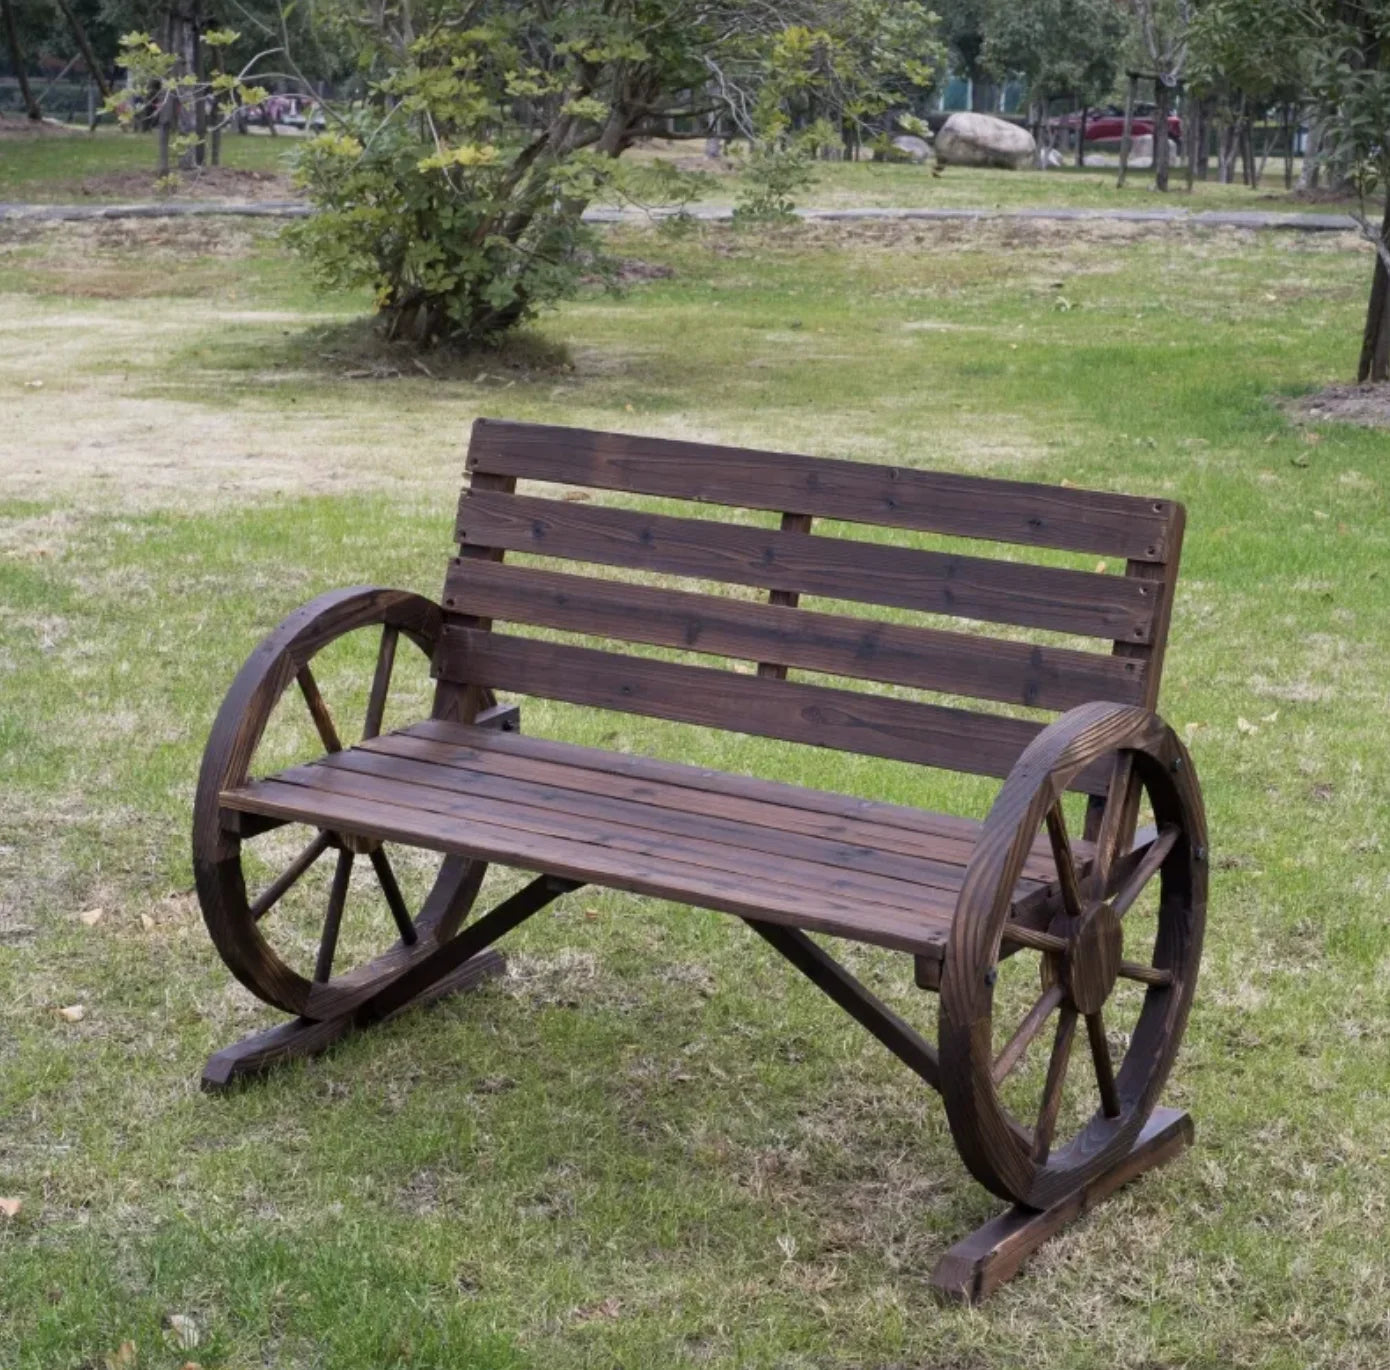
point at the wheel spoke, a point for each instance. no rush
(337, 897)
(387, 878)
(1027, 1030)
(1061, 854)
(1116, 823)
(381, 681)
(1105, 1070)
(1154, 856)
(301, 863)
(1146, 975)
(323, 720)
(1052, 1090)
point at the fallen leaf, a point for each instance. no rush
(34, 385)
(1245, 726)
(10, 1207)
(1270, 718)
(1100, 567)
(1068, 484)
(73, 1013)
(591, 914)
(1320, 514)
(123, 1357)
(147, 922)
(1190, 729)
(91, 917)
(629, 409)
(574, 496)
(182, 1331)
(606, 1308)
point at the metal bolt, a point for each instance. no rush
(1177, 763)
(991, 975)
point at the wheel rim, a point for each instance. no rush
(318, 980)
(1017, 1073)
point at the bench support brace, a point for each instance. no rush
(978, 1264)
(459, 964)
(903, 1040)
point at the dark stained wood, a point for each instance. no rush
(846, 720)
(787, 599)
(891, 653)
(834, 819)
(956, 894)
(1051, 598)
(920, 929)
(828, 975)
(976, 1266)
(1007, 1155)
(303, 1038)
(857, 492)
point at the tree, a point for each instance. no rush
(1060, 47)
(1163, 35)
(457, 194)
(1349, 61)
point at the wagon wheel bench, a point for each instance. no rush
(1099, 921)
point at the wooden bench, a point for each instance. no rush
(1021, 923)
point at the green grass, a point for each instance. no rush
(77, 166)
(116, 166)
(651, 1146)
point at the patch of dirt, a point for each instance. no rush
(1366, 405)
(211, 183)
(11, 127)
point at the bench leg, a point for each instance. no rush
(457, 964)
(304, 1037)
(977, 1265)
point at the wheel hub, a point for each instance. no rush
(1091, 962)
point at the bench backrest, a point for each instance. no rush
(1125, 616)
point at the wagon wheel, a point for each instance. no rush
(316, 983)
(1087, 963)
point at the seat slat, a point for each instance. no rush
(1085, 603)
(484, 791)
(873, 878)
(872, 725)
(935, 838)
(922, 929)
(773, 794)
(891, 653)
(961, 506)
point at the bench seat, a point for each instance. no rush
(824, 862)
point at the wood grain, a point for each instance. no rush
(891, 497)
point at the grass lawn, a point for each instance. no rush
(117, 166)
(650, 1145)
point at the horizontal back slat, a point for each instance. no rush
(960, 506)
(846, 720)
(1065, 601)
(895, 654)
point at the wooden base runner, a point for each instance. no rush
(305, 1037)
(978, 1264)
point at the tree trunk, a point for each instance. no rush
(1196, 137)
(1081, 136)
(31, 106)
(1312, 157)
(1126, 136)
(1374, 364)
(1160, 135)
(85, 48)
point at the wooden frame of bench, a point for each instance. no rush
(958, 896)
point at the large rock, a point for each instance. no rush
(913, 148)
(1141, 151)
(983, 140)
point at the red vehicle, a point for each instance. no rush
(1107, 126)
